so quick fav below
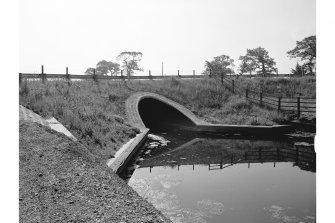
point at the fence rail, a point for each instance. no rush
(284, 104)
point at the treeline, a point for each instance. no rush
(258, 61)
(129, 64)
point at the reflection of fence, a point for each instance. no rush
(301, 157)
(286, 104)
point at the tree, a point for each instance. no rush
(246, 65)
(89, 71)
(306, 51)
(104, 67)
(260, 61)
(298, 71)
(220, 65)
(130, 61)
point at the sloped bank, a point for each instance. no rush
(61, 181)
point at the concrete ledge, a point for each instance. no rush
(243, 129)
(122, 157)
(29, 115)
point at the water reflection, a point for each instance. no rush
(226, 180)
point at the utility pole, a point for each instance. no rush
(162, 69)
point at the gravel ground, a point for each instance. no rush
(60, 181)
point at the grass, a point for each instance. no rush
(284, 87)
(95, 112)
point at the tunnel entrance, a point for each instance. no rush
(159, 116)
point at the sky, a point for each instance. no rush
(182, 34)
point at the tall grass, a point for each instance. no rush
(284, 87)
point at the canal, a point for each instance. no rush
(193, 177)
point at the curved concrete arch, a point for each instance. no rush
(133, 114)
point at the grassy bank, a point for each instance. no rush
(95, 112)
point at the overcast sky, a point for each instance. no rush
(181, 33)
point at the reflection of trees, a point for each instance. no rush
(219, 154)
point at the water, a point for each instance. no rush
(197, 179)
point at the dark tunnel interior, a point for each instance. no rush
(159, 116)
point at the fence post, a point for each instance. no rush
(43, 77)
(247, 93)
(233, 86)
(94, 75)
(67, 74)
(149, 74)
(20, 79)
(178, 73)
(210, 73)
(261, 98)
(279, 103)
(193, 73)
(298, 106)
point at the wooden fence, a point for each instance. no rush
(284, 104)
(44, 76)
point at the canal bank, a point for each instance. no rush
(60, 180)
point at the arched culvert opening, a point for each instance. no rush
(159, 116)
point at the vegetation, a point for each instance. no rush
(284, 87)
(258, 60)
(220, 65)
(130, 61)
(95, 113)
(298, 70)
(104, 68)
(305, 50)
